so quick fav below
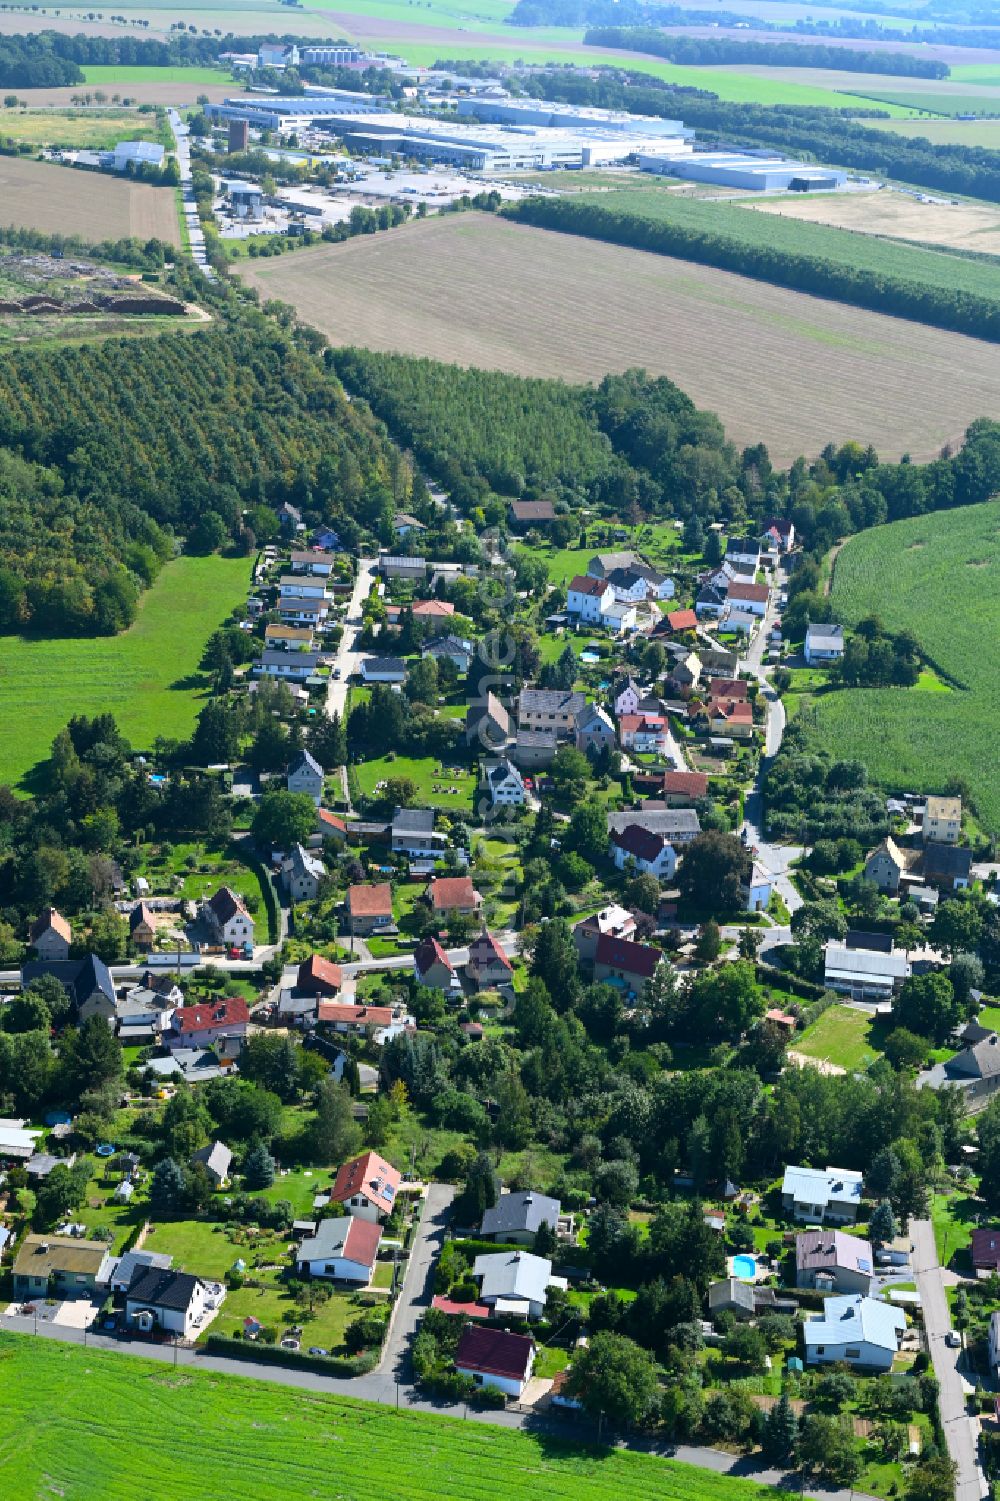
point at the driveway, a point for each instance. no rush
(970, 1484)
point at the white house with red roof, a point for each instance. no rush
(51, 935)
(488, 965)
(367, 1187)
(358, 1021)
(644, 732)
(433, 967)
(495, 1357)
(650, 853)
(228, 918)
(624, 964)
(451, 894)
(344, 1250)
(215, 1022)
(589, 598)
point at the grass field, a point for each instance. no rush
(147, 677)
(433, 788)
(62, 200)
(95, 130)
(948, 132)
(840, 1037)
(932, 101)
(113, 76)
(777, 365)
(142, 1432)
(939, 576)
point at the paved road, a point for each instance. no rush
(415, 1296)
(970, 1484)
(347, 659)
(196, 235)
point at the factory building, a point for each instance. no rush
(297, 111)
(568, 117)
(246, 200)
(762, 172)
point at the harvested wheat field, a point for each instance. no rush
(176, 91)
(795, 371)
(961, 226)
(65, 200)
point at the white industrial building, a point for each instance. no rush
(135, 154)
(548, 113)
(761, 171)
(296, 111)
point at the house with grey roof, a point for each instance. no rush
(216, 1159)
(302, 873)
(516, 1218)
(413, 833)
(305, 774)
(831, 1194)
(824, 643)
(676, 825)
(858, 1331)
(133, 1264)
(515, 1282)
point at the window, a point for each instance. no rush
(821, 1349)
(853, 1352)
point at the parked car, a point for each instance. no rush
(953, 1339)
(317, 1350)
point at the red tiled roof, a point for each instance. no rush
(318, 976)
(370, 901)
(728, 687)
(48, 919)
(756, 592)
(690, 783)
(471, 1310)
(494, 1351)
(584, 584)
(733, 709)
(633, 958)
(493, 950)
(451, 891)
(429, 952)
(370, 1175)
(361, 1241)
(140, 914)
(339, 1011)
(230, 1012)
(682, 620)
(331, 821)
(986, 1247)
(425, 607)
(639, 842)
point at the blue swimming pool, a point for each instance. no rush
(745, 1267)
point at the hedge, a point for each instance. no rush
(323, 1365)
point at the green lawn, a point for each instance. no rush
(147, 677)
(954, 1215)
(840, 1036)
(433, 781)
(97, 129)
(148, 1431)
(100, 76)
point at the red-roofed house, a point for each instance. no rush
(589, 598)
(650, 853)
(728, 688)
(682, 620)
(495, 1357)
(369, 908)
(224, 1021)
(682, 788)
(51, 935)
(330, 826)
(435, 613)
(627, 965)
(367, 1187)
(343, 1250)
(731, 716)
(318, 976)
(228, 919)
(778, 533)
(361, 1021)
(986, 1249)
(750, 597)
(488, 965)
(643, 732)
(434, 968)
(451, 894)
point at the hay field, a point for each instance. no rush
(63, 200)
(962, 226)
(179, 91)
(795, 371)
(75, 129)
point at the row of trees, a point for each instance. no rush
(725, 51)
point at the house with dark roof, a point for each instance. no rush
(555, 709)
(413, 833)
(503, 784)
(451, 648)
(624, 964)
(164, 1299)
(528, 513)
(646, 852)
(228, 918)
(495, 1357)
(986, 1250)
(304, 774)
(141, 926)
(133, 1264)
(516, 1218)
(977, 1061)
(487, 724)
(302, 874)
(367, 1187)
(833, 1261)
(679, 825)
(343, 1250)
(87, 981)
(947, 866)
(533, 750)
(383, 670)
(595, 731)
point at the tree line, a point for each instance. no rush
(952, 308)
(722, 51)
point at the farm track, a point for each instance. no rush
(791, 369)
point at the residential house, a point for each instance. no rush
(627, 697)
(833, 1261)
(495, 1358)
(403, 524)
(451, 895)
(756, 892)
(602, 564)
(993, 1343)
(289, 666)
(864, 974)
(615, 921)
(301, 586)
(649, 853)
(396, 567)
(228, 918)
(383, 670)
(296, 611)
(619, 618)
(40, 1165)
(16, 1143)
(487, 965)
(132, 1265)
(504, 784)
(51, 935)
(685, 673)
(451, 648)
(59, 1266)
(824, 643)
(87, 982)
(744, 553)
(367, 1187)
(947, 866)
(304, 774)
(978, 1062)
(750, 599)
(434, 969)
(682, 789)
(681, 620)
(533, 750)
(434, 613)
(986, 1250)
(528, 513)
(711, 600)
(220, 1024)
(164, 1299)
(728, 688)
(595, 731)
(343, 1250)
(329, 826)
(141, 926)
(487, 723)
(779, 534)
(515, 1282)
(589, 598)
(644, 733)
(679, 825)
(636, 585)
(354, 1021)
(216, 1159)
(624, 964)
(325, 538)
(736, 622)
(855, 1330)
(290, 518)
(302, 874)
(516, 1218)
(319, 977)
(885, 866)
(314, 561)
(413, 833)
(731, 1295)
(831, 1195)
(942, 820)
(555, 709)
(369, 909)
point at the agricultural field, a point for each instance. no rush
(782, 366)
(925, 98)
(62, 200)
(147, 677)
(100, 77)
(948, 132)
(72, 129)
(159, 87)
(286, 1445)
(957, 226)
(938, 576)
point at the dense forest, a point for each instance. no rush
(881, 290)
(47, 58)
(699, 51)
(823, 134)
(110, 453)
